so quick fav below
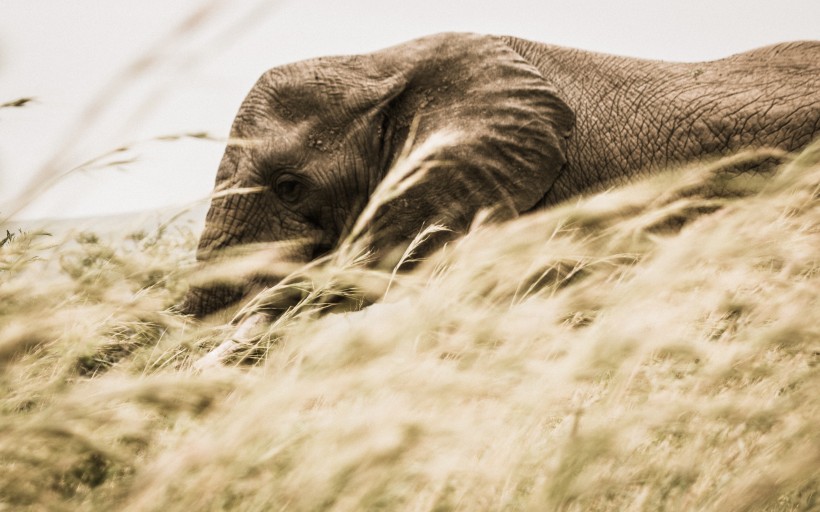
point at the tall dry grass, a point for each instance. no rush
(653, 347)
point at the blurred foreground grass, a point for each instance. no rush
(654, 347)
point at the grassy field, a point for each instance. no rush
(654, 347)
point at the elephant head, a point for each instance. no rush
(313, 139)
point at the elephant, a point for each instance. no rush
(536, 124)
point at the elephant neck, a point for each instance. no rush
(635, 116)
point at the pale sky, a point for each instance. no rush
(111, 73)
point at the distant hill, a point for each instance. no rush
(190, 216)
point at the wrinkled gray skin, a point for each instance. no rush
(538, 124)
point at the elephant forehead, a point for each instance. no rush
(259, 116)
(335, 75)
(325, 87)
(302, 111)
(268, 141)
(314, 134)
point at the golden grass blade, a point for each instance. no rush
(594, 356)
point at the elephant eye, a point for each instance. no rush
(288, 188)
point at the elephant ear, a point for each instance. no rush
(510, 128)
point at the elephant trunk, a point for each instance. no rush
(227, 229)
(224, 229)
(202, 300)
